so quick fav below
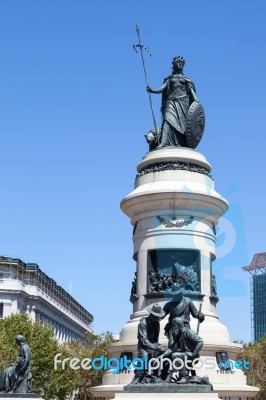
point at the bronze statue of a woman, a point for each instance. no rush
(182, 114)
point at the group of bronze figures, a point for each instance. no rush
(160, 281)
(17, 378)
(183, 118)
(187, 275)
(183, 342)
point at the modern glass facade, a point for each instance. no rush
(257, 269)
(258, 306)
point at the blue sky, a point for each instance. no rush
(73, 114)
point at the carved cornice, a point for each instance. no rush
(173, 166)
(165, 295)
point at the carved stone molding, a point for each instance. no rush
(173, 166)
(175, 222)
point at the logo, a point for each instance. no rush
(117, 365)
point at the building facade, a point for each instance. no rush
(24, 287)
(257, 269)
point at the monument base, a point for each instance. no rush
(234, 391)
(167, 388)
(166, 392)
(166, 396)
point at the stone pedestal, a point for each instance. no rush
(167, 388)
(167, 391)
(174, 210)
(175, 207)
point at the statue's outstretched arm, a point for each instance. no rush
(160, 90)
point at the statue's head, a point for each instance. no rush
(177, 325)
(20, 339)
(224, 356)
(176, 292)
(156, 312)
(153, 138)
(178, 63)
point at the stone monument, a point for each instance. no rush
(174, 209)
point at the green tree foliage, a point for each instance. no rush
(255, 353)
(93, 347)
(49, 382)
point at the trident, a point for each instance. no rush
(141, 47)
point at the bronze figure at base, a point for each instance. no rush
(183, 344)
(17, 378)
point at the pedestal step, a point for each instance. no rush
(167, 391)
(166, 396)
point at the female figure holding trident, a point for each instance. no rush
(178, 93)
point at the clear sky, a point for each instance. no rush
(73, 114)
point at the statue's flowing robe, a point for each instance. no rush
(176, 100)
(182, 309)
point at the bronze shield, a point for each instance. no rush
(195, 124)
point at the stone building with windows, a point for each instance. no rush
(24, 287)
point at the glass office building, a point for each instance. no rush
(257, 269)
